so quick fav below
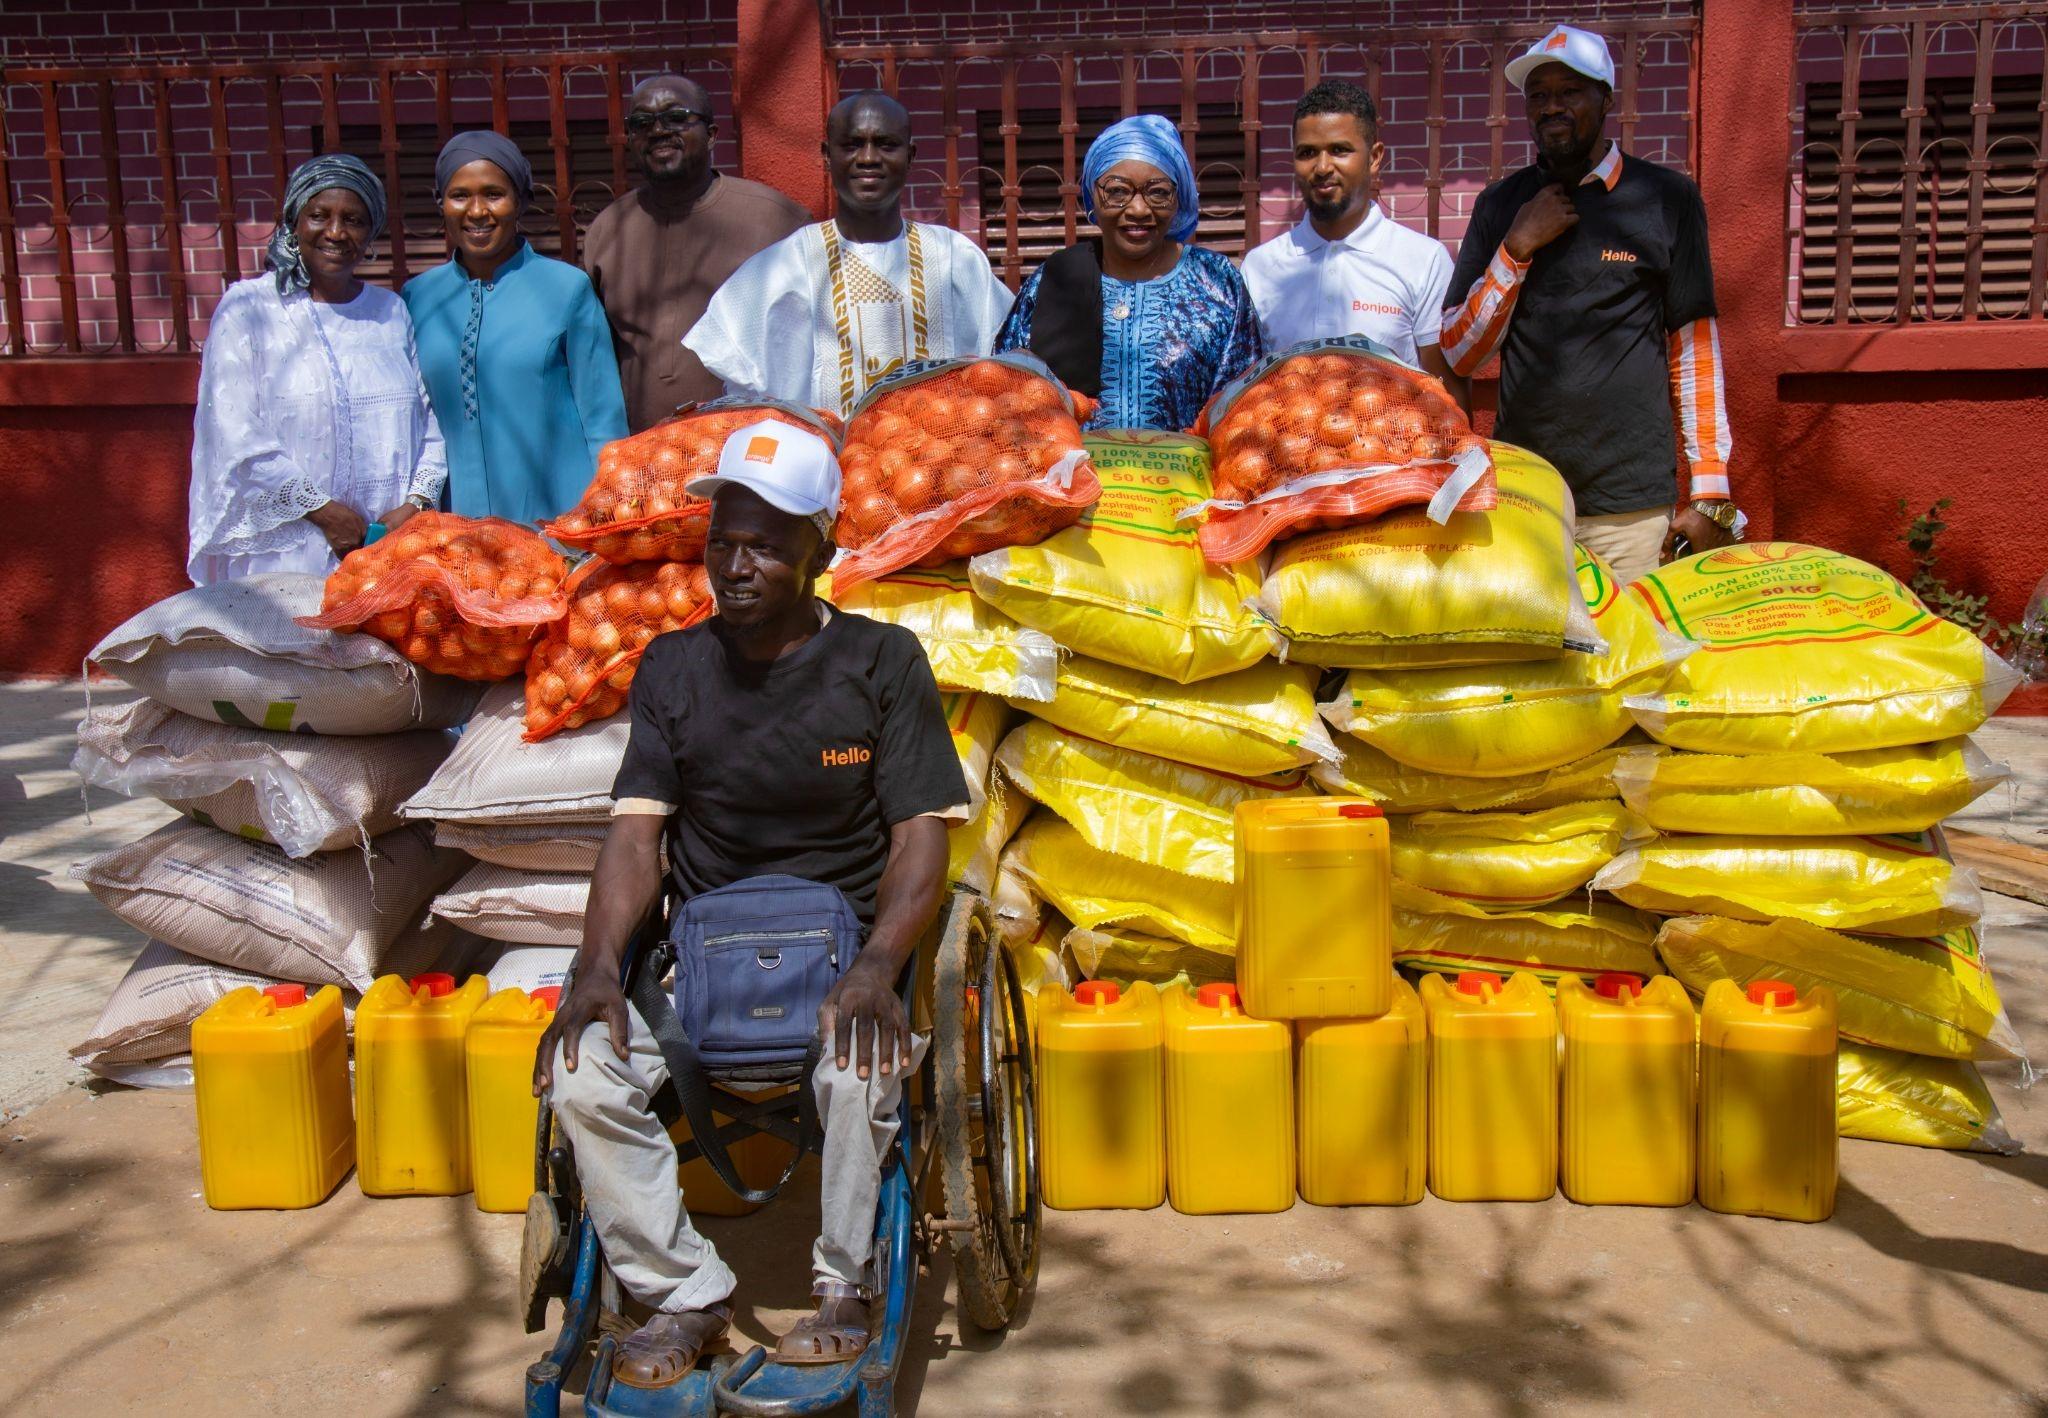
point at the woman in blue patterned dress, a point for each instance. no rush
(1138, 318)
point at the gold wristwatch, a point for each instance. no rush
(1723, 514)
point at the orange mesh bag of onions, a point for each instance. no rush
(951, 458)
(585, 662)
(635, 509)
(461, 596)
(1330, 433)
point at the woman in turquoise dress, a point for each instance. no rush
(1138, 318)
(514, 346)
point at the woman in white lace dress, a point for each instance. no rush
(312, 416)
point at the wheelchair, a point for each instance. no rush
(968, 1135)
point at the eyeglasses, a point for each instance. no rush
(1113, 195)
(665, 120)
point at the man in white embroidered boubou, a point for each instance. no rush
(822, 315)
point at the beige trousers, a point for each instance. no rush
(1631, 543)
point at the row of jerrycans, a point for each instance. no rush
(1144, 1096)
(442, 1102)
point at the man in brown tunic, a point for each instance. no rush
(657, 253)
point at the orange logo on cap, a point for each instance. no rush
(1557, 40)
(761, 448)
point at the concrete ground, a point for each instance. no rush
(120, 1291)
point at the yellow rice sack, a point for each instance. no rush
(1163, 814)
(1499, 859)
(976, 722)
(1932, 996)
(1094, 888)
(975, 848)
(1903, 884)
(1503, 720)
(1905, 789)
(1127, 583)
(1363, 771)
(1406, 591)
(1254, 722)
(1811, 650)
(1117, 953)
(1441, 933)
(970, 644)
(1887, 1096)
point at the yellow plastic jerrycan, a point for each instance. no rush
(1767, 1100)
(412, 1108)
(759, 1157)
(1101, 1109)
(1629, 1093)
(1363, 1119)
(498, 1052)
(270, 1079)
(1314, 920)
(1492, 1087)
(1229, 1104)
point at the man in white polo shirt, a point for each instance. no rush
(1348, 268)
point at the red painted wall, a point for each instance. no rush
(96, 524)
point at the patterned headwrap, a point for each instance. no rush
(1150, 139)
(312, 177)
(481, 143)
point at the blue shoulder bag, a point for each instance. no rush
(754, 962)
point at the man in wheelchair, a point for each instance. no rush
(779, 737)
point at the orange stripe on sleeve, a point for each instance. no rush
(1699, 395)
(1472, 335)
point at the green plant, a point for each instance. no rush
(2015, 640)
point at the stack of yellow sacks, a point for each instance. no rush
(1810, 750)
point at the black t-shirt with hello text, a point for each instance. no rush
(1585, 377)
(800, 766)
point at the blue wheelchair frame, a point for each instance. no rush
(996, 1254)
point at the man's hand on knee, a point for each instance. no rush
(863, 1018)
(592, 999)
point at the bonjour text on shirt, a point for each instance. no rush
(1382, 281)
(1641, 239)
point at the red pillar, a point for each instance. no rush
(1746, 56)
(781, 86)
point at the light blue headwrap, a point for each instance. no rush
(308, 180)
(1150, 139)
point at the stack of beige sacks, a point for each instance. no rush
(1500, 697)
(288, 753)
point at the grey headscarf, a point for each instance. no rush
(466, 148)
(312, 177)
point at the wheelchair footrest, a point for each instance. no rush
(761, 1389)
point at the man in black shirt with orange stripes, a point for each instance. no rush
(1588, 270)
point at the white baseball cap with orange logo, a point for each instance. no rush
(787, 467)
(1574, 48)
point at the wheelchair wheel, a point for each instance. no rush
(986, 1122)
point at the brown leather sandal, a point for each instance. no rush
(669, 1345)
(836, 1333)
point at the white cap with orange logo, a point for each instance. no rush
(787, 467)
(1574, 48)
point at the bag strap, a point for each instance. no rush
(693, 1086)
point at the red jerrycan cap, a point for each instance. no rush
(285, 995)
(1097, 992)
(1612, 982)
(1476, 982)
(435, 982)
(1216, 996)
(549, 995)
(1775, 993)
(1359, 810)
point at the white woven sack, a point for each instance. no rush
(149, 1015)
(492, 776)
(527, 846)
(329, 919)
(232, 653)
(305, 792)
(526, 908)
(527, 967)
